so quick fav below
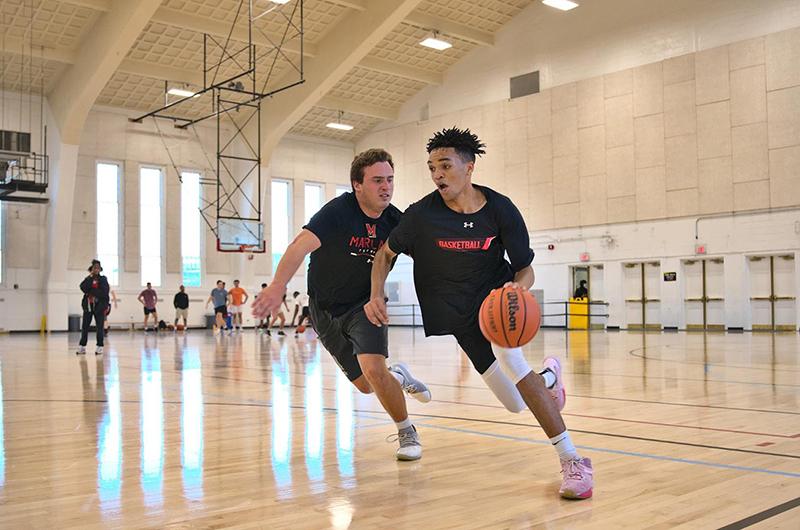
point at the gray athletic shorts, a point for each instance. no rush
(348, 335)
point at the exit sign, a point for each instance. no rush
(584, 256)
(700, 248)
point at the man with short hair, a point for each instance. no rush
(181, 303)
(458, 237)
(342, 239)
(219, 297)
(148, 298)
(238, 297)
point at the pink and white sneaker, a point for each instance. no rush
(578, 480)
(558, 392)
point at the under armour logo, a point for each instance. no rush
(469, 225)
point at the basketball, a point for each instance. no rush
(179, 327)
(509, 317)
(301, 329)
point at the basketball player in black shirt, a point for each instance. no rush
(458, 236)
(342, 239)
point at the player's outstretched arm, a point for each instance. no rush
(375, 309)
(270, 298)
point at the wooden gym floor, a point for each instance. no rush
(248, 431)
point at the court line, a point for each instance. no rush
(762, 516)
(788, 436)
(612, 435)
(618, 452)
(741, 409)
(702, 363)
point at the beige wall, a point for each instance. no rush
(707, 132)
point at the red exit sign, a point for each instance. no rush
(584, 256)
(700, 248)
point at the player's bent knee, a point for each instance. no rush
(513, 362)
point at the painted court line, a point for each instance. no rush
(427, 423)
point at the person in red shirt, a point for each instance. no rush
(148, 298)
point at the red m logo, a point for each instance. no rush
(371, 230)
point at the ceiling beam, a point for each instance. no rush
(354, 107)
(401, 70)
(100, 53)
(449, 28)
(342, 48)
(14, 46)
(358, 5)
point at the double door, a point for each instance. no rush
(704, 300)
(773, 292)
(642, 288)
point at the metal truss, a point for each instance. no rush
(233, 89)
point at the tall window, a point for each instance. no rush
(150, 224)
(108, 220)
(314, 199)
(190, 228)
(281, 220)
(341, 190)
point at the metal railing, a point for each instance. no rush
(411, 310)
(566, 314)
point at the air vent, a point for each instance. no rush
(15, 142)
(524, 85)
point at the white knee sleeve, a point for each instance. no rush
(503, 388)
(512, 362)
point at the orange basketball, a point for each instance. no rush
(179, 327)
(509, 317)
(301, 329)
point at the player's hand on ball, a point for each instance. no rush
(376, 312)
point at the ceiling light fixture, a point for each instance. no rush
(563, 5)
(181, 93)
(339, 125)
(433, 41)
(280, 1)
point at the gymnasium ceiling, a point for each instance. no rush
(171, 48)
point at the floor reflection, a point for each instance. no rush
(109, 451)
(2, 434)
(281, 425)
(152, 428)
(192, 424)
(345, 429)
(315, 423)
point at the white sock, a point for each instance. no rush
(405, 424)
(563, 444)
(549, 378)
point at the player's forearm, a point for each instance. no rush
(380, 271)
(288, 265)
(525, 277)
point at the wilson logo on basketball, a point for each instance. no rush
(465, 245)
(513, 309)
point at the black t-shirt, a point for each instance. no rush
(181, 300)
(459, 258)
(339, 271)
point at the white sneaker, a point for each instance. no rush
(410, 446)
(413, 387)
(81, 350)
(98, 351)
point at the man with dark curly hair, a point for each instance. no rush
(458, 236)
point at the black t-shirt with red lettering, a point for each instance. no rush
(339, 270)
(459, 258)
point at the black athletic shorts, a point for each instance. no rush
(222, 309)
(477, 348)
(147, 311)
(348, 335)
